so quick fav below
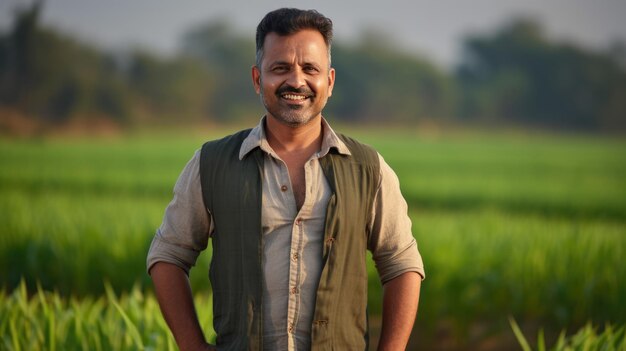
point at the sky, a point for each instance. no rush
(433, 29)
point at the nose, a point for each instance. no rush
(296, 78)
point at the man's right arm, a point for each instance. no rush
(173, 292)
(175, 247)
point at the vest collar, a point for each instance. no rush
(257, 138)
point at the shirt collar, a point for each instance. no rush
(257, 138)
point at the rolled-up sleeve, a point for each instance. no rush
(186, 225)
(391, 241)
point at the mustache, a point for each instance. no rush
(288, 89)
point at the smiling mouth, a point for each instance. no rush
(294, 97)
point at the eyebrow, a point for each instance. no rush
(280, 63)
(285, 63)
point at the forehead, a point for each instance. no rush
(306, 44)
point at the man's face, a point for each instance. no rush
(294, 79)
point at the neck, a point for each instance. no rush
(284, 138)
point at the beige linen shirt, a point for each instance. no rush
(292, 239)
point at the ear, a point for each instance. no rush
(331, 81)
(256, 79)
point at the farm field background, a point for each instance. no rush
(511, 224)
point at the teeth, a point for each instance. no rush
(294, 97)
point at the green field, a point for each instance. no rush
(508, 224)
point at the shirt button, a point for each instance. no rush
(298, 221)
(290, 329)
(295, 257)
(283, 188)
(294, 290)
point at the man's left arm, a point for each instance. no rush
(397, 260)
(400, 300)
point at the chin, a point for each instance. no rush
(295, 122)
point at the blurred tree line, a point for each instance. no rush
(515, 75)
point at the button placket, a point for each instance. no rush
(302, 239)
(295, 275)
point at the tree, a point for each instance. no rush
(176, 89)
(228, 59)
(518, 75)
(52, 78)
(378, 82)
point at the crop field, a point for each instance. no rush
(510, 225)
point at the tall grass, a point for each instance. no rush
(587, 338)
(551, 175)
(73, 214)
(50, 321)
(529, 226)
(483, 265)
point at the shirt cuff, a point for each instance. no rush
(408, 260)
(163, 251)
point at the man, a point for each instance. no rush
(291, 208)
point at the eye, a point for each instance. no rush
(310, 69)
(280, 69)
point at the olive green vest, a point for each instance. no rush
(232, 192)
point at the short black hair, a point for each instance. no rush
(286, 21)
